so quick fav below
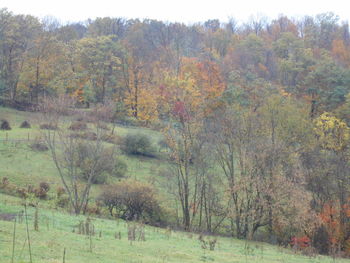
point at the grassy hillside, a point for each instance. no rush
(56, 233)
(23, 167)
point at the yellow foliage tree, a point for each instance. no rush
(332, 132)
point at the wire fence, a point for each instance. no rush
(5, 138)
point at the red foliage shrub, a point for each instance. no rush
(300, 242)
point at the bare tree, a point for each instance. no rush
(78, 156)
(182, 140)
(257, 169)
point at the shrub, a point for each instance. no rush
(131, 121)
(42, 190)
(120, 168)
(320, 240)
(22, 192)
(117, 168)
(45, 186)
(138, 144)
(5, 125)
(132, 200)
(100, 178)
(25, 125)
(7, 187)
(103, 126)
(93, 210)
(111, 138)
(78, 126)
(4, 182)
(60, 191)
(48, 126)
(105, 167)
(163, 146)
(85, 135)
(39, 146)
(62, 199)
(300, 242)
(207, 243)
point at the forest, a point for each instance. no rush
(254, 117)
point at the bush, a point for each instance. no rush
(132, 200)
(320, 240)
(111, 138)
(60, 191)
(117, 169)
(78, 126)
(61, 198)
(300, 242)
(102, 170)
(48, 126)
(39, 146)
(138, 144)
(128, 121)
(22, 192)
(85, 135)
(4, 182)
(9, 188)
(5, 125)
(42, 190)
(100, 178)
(120, 168)
(103, 126)
(6, 187)
(25, 125)
(163, 146)
(93, 210)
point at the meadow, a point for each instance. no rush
(58, 238)
(58, 233)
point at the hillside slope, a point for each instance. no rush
(161, 245)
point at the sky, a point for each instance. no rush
(187, 11)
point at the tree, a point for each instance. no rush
(327, 84)
(16, 33)
(107, 26)
(75, 155)
(328, 165)
(100, 60)
(341, 52)
(44, 63)
(182, 141)
(256, 159)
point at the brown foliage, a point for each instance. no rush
(131, 200)
(42, 190)
(5, 125)
(47, 126)
(78, 126)
(88, 135)
(39, 146)
(25, 125)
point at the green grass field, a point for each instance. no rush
(23, 167)
(56, 234)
